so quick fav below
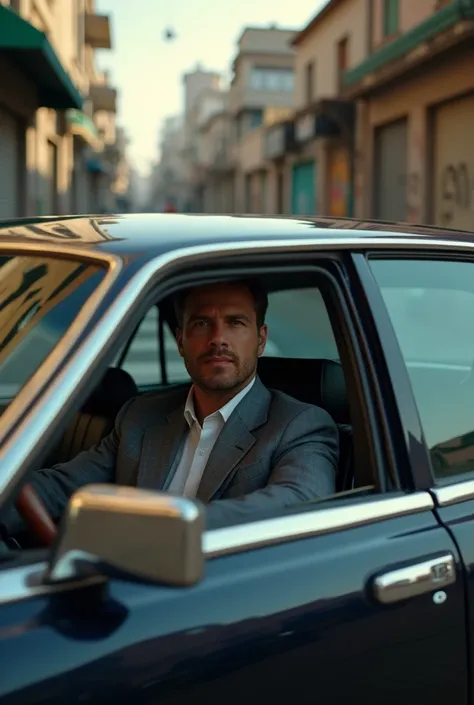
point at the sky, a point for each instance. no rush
(148, 71)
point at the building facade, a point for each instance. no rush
(57, 113)
(170, 179)
(261, 94)
(320, 166)
(415, 94)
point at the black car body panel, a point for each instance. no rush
(273, 624)
(296, 621)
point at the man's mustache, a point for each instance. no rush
(218, 352)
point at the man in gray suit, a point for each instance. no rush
(236, 446)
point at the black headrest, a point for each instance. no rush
(116, 388)
(319, 382)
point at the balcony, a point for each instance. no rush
(97, 31)
(103, 97)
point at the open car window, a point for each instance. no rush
(40, 297)
(298, 323)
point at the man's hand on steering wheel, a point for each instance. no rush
(36, 516)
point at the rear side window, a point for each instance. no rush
(40, 297)
(431, 306)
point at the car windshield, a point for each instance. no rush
(40, 296)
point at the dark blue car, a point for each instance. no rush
(363, 597)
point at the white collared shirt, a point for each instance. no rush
(200, 442)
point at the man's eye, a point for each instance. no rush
(199, 324)
(238, 322)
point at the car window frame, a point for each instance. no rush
(122, 317)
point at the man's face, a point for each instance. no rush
(219, 340)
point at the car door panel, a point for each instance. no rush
(458, 517)
(296, 621)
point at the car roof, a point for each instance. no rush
(149, 235)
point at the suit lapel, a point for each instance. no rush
(159, 450)
(235, 440)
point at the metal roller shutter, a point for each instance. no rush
(453, 197)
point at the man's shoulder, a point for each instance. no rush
(284, 407)
(153, 407)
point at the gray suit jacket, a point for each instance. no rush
(274, 451)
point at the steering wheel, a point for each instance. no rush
(36, 516)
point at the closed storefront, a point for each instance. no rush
(303, 188)
(338, 182)
(12, 156)
(453, 156)
(390, 182)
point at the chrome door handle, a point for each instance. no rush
(401, 584)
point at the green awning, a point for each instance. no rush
(30, 51)
(82, 125)
(439, 21)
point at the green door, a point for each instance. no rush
(303, 193)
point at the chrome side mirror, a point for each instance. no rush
(122, 530)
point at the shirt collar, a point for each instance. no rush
(224, 412)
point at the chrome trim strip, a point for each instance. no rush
(451, 494)
(40, 378)
(14, 454)
(321, 521)
(26, 582)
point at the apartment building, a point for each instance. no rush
(196, 83)
(57, 114)
(415, 89)
(261, 94)
(214, 152)
(171, 178)
(318, 144)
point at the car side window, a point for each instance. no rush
(431, 306)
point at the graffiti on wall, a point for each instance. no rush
(456, 191)
(339, 182)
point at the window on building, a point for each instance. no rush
(273, 80)
(256, 118)
(390, 17)
(309, 82)
(342, 59)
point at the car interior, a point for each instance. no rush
(318, 380)
(303, 362)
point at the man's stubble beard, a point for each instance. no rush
(224, 382)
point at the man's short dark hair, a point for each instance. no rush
(255, 286)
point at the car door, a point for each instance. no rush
(444, 284)
(355, 599)
(361, 601)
